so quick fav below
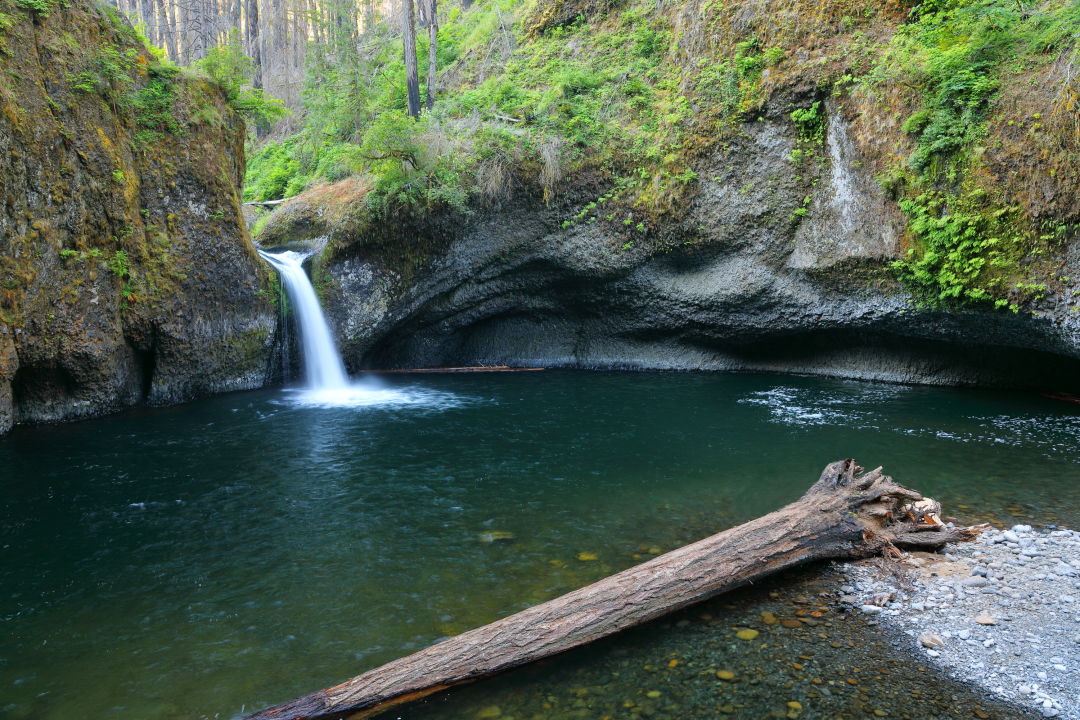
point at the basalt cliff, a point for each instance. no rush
(126, 272)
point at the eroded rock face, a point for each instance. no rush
(745, 279)
(126, 274)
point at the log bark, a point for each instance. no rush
(846, 514)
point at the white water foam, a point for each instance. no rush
(323, 368)
(369, 394)
(327, 384)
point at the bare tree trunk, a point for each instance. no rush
(183, 31)
(369, 14)
(254, 44)
(253, 41)
(433, 31)
(166, 36)
(843, 515)
(412, 80)
(146, 15)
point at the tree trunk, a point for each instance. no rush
(843, 515)
(255, 51)
(412, 80)
(433, 32)
(165, 38)
(369, 15)
(149, 20)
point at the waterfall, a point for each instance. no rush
(323, 368)
(327, 384)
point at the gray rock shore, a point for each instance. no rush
(1002, 613)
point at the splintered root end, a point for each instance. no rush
(891, 514)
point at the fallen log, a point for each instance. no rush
(845, 514)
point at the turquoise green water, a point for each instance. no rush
(205, 560)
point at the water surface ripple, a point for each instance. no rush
(199, 561)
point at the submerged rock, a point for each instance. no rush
(494, 536)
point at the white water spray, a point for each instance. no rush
(327, 383)
(323, 368)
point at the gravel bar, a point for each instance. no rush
(1001, 612)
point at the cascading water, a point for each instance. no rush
(327, 383)
(323, 368)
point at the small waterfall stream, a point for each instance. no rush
(326, 382)
(323, 368)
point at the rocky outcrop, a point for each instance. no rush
(126, 272)
(769, 267)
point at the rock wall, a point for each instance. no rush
(126, 272)
(743, 279)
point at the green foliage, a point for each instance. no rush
(969, 253)
(108, 73)
(270, 171)
(810, 123)
(119, 265)
(617, 106)
(154, 104)
(732, 84)
(39, 7)
(956, 52)
(232, 70)
(405, 174)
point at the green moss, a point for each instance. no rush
(967, 247)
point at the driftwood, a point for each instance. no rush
(845, 514)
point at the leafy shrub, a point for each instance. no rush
(119, 265)
(810, 123)
(40, 7)
(232, 70)
(154, 102)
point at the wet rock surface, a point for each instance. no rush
(126, 273)
(1002, 613)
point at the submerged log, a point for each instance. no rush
(845, 514)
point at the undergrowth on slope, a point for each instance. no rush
(969, 245)
(620, 99)
(597, 95)
(133, 75)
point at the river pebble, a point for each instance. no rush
(1000, 612)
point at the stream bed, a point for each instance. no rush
(206, 560)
